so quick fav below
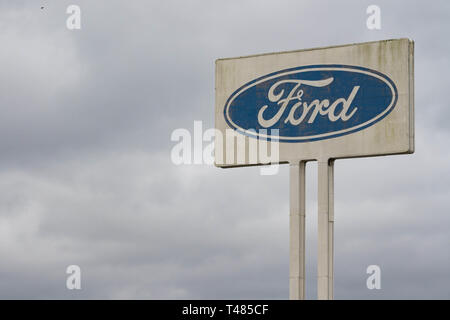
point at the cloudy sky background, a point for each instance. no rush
(86, 176)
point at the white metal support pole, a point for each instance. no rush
(325, 232)
(297, 231)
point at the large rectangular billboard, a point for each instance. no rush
(336, 102)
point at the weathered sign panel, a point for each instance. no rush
(325, 103)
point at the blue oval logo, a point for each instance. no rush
(311, 103)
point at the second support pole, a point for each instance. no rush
(326, 229)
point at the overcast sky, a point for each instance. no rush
(86, 176)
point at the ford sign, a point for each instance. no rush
(337, 102)
(311, 103)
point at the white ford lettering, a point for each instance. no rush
(321, 107)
